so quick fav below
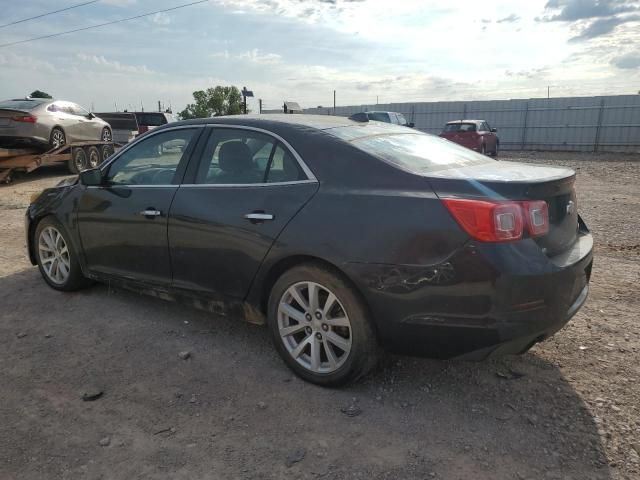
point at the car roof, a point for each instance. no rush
(318, 122)
(465, 121)
(382, 111)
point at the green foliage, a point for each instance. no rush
(214, 102)
(39, 94)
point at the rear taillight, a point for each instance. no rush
(489, 221)
(24, 118)
(142, 129)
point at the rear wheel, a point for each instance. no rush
(93, 157)
(106, 151)
(57, 261)
(57, 138)
(78, 161)
(320, 326)
(495, 152)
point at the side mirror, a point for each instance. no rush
(91, 177)
(91, 116)
(411, 124)
(494, 130)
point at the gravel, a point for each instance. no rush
(559, 411)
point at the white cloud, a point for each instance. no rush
(113, 65)
(161, 18)
(254, 55)
(10, 60)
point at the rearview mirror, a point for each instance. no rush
(91, 177)
(494, 130)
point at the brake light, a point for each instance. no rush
(537, 217)
(24, 118)
(489, 221)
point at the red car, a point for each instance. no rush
(474, 134)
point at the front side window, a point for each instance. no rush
(153, 160)
(242, 157)
(78, 110)
(379, 116)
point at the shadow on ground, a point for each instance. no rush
(233, 410)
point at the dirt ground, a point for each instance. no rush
(570, 408)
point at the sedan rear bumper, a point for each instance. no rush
(485, 300)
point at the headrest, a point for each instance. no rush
(234, 157)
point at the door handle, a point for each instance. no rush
(258, 217)
(150, 212)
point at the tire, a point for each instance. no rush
(495, 152)
(341, 332)
(57, 138)
(106, 135)
(63, 272)
(106, 151)
(78, 161)
(94, 157)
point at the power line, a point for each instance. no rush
(102, 24)
(48, 13)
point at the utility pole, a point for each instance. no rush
(246, 93)
(260, 105)
(548, 91)
(334, 102)
(377, 100)
(159, 106)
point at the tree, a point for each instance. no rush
(39, 94)
(214, 102)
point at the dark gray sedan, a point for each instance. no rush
(48, 123)
(341, 235)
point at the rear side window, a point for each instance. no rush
(243, 157)
(20, 104)
(401, 119)
(419, 153)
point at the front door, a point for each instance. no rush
(247, 187)
(123, 223)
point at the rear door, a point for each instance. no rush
(245, 189)
(123, 223)
(467, 135)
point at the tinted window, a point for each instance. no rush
(460, 127)
(152, 161)
(21, 104)
(379, 116)
(235, 156)
(151, 119)
(418, 153)
(284, 167)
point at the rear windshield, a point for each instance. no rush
(21, 104)
(151, 119)
(379, 116)
(417, 152)
(460, 127)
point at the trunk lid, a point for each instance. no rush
(516, 181)
(7, 114)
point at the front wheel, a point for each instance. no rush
(320, 326)
(57, 260)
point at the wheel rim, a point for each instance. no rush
(54, 255)
(314, 327)
(106, 135)
(79, 159)
(58, 138)
(94, 158)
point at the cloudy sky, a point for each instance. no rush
(301, 50)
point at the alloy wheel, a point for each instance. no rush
(57, 138)
(54, 255)
(314, 327)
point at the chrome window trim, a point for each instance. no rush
(124, 185)
(305, 168)
(244, 185)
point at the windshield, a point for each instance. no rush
(21, 104)
(418, 152)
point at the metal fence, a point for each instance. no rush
(609, 123)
